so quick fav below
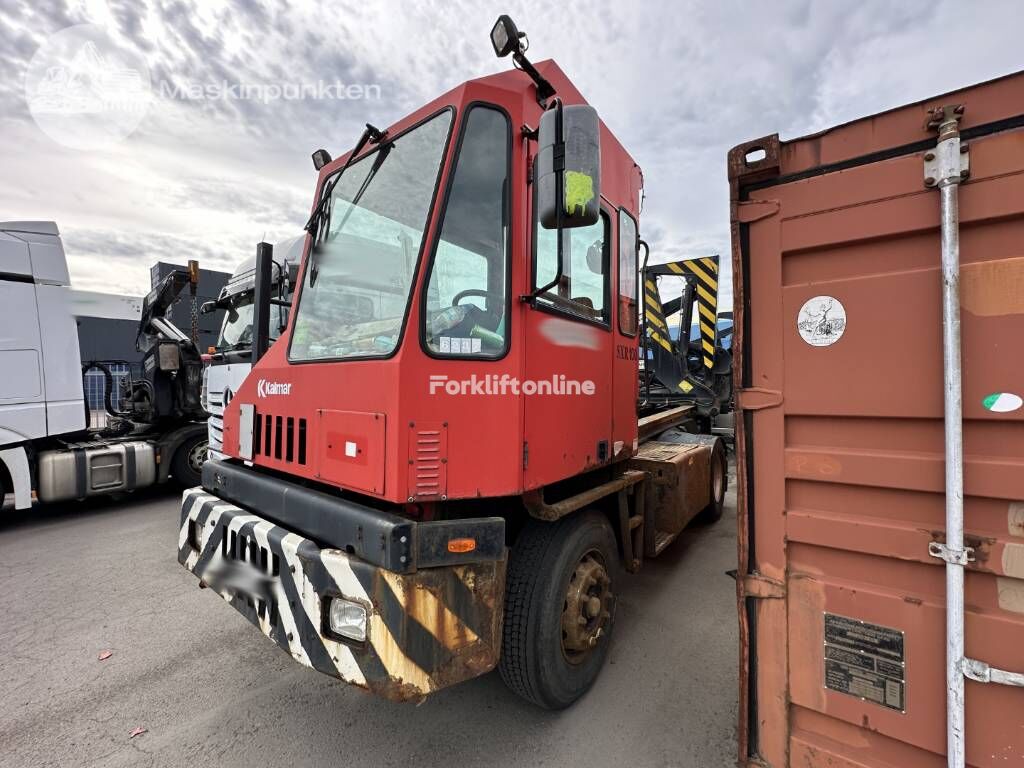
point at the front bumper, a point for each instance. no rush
(426, 629)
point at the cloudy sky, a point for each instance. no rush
(679, 84)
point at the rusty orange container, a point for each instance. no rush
(840, 445)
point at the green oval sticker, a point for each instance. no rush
(1002, 402)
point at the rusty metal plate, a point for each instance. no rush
(865, 660)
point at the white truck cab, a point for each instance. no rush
(231, 360)
(41, 390)
(47, 449)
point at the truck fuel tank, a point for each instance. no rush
(75, 473)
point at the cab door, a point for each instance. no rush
(567, 382)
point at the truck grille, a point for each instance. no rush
(281, 438)
(215, 407)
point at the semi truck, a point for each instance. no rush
(230, 360)
(879, 306)
(452, 476)
(48, 451)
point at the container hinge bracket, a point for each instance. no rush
(980, 672)
(950, 161)
(754, 210)
(756, 399)
(952, 556)
(761, 587)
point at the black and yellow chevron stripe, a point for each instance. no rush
(656, 324)
(705, 270)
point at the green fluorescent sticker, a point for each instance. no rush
(579, 191)
(1002, 402)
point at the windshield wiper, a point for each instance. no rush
(313, 225)
(377, 163)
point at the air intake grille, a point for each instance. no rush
(428, 460)
(281, 438)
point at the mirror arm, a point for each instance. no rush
(544, 89)
(559, 166)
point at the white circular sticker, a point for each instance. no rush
(822, 321)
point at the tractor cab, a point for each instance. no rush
(468, 289)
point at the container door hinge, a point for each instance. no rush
(980, 672)
(950, 161)
(761, 587)
(526, 454)
(754, 210)
(951, 556)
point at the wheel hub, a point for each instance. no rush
(587, 608)
(197, 456)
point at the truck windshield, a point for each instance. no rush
(353, 303)
(236, 332)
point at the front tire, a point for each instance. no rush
(718, 471)
(187, 465)
(559, 608)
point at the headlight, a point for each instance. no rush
(348, 619)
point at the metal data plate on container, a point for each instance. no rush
(866, 661)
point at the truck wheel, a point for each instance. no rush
(719, 472)
(187, 465)
(559, 608)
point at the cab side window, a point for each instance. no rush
(466, 310)
(582, 289)
(628, 255)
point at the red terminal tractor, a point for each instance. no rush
(441, 467)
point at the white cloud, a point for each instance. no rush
(679, 84)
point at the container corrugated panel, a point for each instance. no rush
(836, 253)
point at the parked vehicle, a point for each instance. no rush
(439, 466)
(229, 362)
(880, 437)
(47, 448)
(699, 371)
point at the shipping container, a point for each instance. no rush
(841, 441)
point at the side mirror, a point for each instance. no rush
(569, 167)
(168, 356)
(208, 307)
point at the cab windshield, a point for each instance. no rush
(358, 278)
(236, 331)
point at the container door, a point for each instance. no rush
(841, 448)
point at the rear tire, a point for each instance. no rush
(718, 471)
(187, 464)
(560, 574)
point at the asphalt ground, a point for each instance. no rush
(209, 689)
